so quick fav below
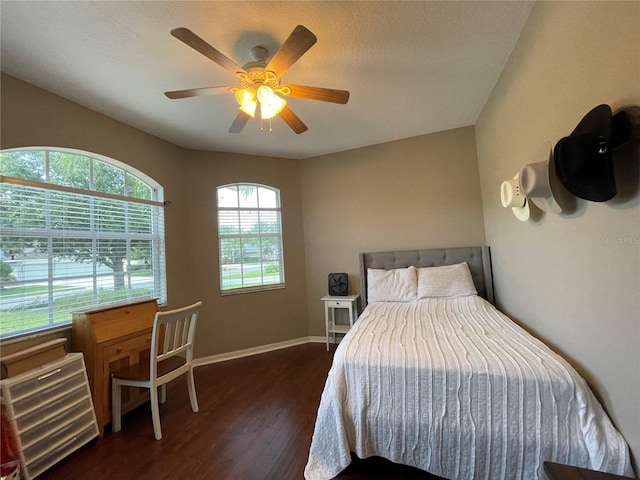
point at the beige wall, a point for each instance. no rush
(573, 279)
(420, 192)
(33, 117)
(255, 319)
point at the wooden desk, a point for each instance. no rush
(556, 471)
(112, 338)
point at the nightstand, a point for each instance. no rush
(331, 303)
(556, 471)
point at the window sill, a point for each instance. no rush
(66, 329)
(240, 291)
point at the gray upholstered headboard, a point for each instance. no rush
(478, 259)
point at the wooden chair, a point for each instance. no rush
(171, 356)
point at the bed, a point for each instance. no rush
(432, 375)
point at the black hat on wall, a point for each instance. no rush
(584, 160)
(625, 126)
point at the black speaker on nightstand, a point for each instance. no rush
(338, 284)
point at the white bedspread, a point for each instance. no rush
(454, 387)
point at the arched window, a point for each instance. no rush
(77, 231)
(250, 236)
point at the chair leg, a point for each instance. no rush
(115, 406)
(155, 413)
(192, 391)
(163, 393)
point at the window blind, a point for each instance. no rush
(250, 236)
(64, 249)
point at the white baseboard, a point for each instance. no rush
(223, 357)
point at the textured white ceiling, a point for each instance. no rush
(412, 67)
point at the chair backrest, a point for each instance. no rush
(173, 334)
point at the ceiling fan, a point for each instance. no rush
(260, 82)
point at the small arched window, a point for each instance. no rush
(250, 236)
(77, 231)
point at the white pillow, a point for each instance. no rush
(446, 281)
(397, 285)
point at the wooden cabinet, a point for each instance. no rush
(112, 338)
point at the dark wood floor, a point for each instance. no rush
(255, 422)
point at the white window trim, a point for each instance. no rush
(254, 288)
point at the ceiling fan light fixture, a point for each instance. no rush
(270, 103)
(249, 108)
(246, 98)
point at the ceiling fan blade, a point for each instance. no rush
(300, 40)
(318, 93)
(293, 121)
(195, 42)
(239, 122)
(198, 92)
